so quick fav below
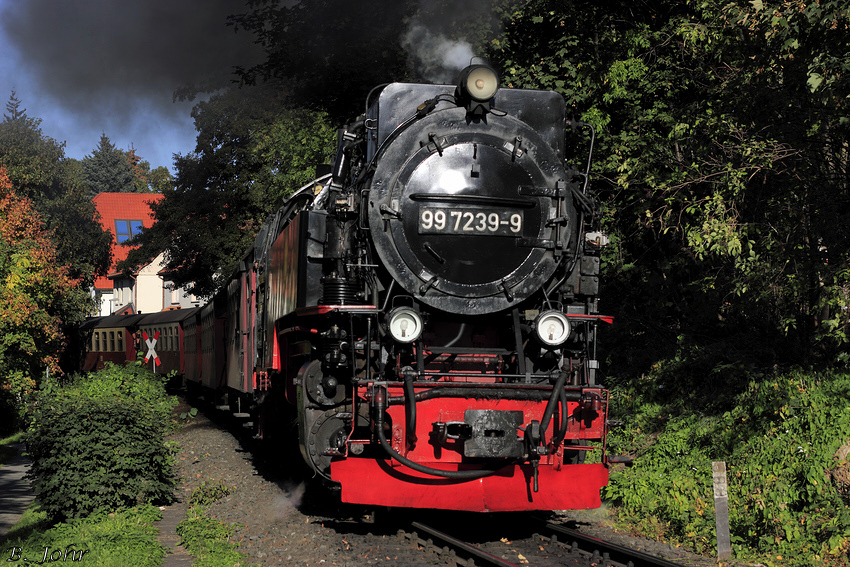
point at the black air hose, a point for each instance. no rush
(379, 405)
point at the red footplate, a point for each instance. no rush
(382, 483)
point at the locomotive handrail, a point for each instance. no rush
(473, 200)
(440, 392)
(486, 386)
(465, 350)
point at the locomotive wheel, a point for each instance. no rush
(328, 433)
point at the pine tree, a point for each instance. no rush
(13, 108)
(108, 169)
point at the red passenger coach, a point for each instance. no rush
(109, 339)
(169, 327)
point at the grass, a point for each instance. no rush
(206, 538)
(115, 539)
(7, 451)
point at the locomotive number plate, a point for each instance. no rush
(438, 220)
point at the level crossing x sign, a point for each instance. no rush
(151, 347)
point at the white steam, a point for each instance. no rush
(439, 58)
(285, 507)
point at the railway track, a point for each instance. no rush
(554, 545)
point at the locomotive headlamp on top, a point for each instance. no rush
(476, 88)
(552, 328)
(404, 324)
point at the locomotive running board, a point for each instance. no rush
(367, 481)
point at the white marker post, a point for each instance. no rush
(721, 510)
(151, 350)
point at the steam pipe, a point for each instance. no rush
(410, 405)
(562, 430)
(553, 401)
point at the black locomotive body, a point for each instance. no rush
(424, 317)
(430, 307)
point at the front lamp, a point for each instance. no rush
(479, 82)
(404, 324)
(476, 87)
(552, 328)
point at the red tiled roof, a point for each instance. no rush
(124, 206)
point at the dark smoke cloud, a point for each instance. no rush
(117, 59)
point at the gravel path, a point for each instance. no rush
(279, 521)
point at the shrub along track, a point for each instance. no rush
(280, 520)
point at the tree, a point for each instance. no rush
(251, 153)
(37, 297)
(147, 180)
(109, 168)
(32, 160)
(13, 107)
(723, 166)
(38, 169)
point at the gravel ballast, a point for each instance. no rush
(279, 519)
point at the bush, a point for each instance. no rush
(784, 442)
(97, 443)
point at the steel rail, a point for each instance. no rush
(615, 552)
(472, 549)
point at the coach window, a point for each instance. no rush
(120, 341)
(111, 341)
(96, 341)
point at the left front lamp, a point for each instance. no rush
(552, 328)
(404, 324)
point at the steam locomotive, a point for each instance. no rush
(425, 315)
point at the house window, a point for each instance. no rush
(124, 229)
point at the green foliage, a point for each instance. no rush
(721, 159)
(38, 170)
(33, 160)
(789, 486)
(36, 294)
(204, 537)
(187, 415)
(252, 151)
(97, 442)
(128, 537)
(207, 493)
